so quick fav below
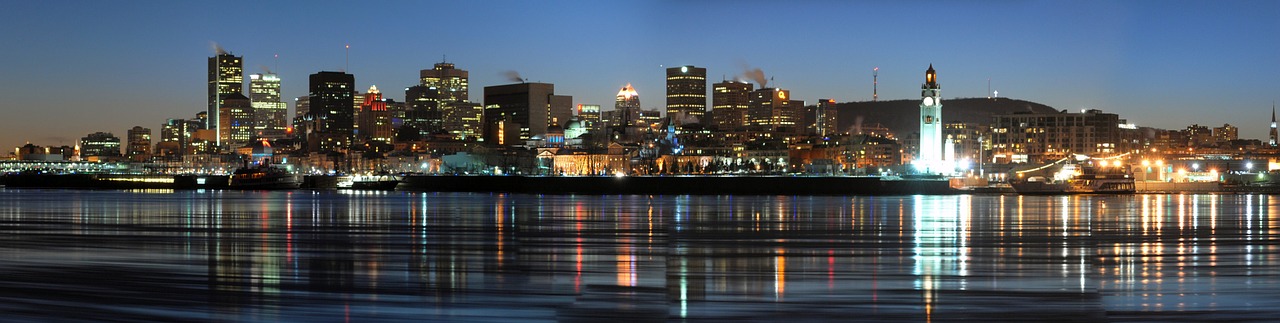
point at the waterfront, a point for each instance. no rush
(196, 255)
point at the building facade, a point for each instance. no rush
(236, 121)
(332, 114)
(226, 76)
(271, 115)
(513, 113)
(139, 148)
(375, 119)
(729, 103)
(100, 144)
(687, 94)
(1046, 137)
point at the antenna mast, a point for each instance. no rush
(875, 84)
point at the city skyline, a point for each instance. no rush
(1157, 64)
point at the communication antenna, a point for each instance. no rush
(347, 68)
(875, 84)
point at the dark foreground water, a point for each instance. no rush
(349, 256)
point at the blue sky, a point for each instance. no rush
(70, 68)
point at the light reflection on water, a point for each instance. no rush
(317, 255)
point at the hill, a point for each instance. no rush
(902, 116)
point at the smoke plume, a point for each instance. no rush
(265, 69)
(755, 74)
(514, 76)
(857, 125)
(217, 49)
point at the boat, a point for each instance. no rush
(264, 176)
(383, 182)
(1079, 179)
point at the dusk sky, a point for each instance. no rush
(69, 68)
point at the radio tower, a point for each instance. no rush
(875, 83)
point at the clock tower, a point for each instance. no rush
(930, 157)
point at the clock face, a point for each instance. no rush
(928, 101)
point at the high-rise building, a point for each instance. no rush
(375, 120)
(627, 106)
(301, 105)
(820, 119)
(103, 144)
(687, 94)
(423, 110)
(729, 102)
(462, 119)
(235, 117)
(770, 110)
(332, 114)
(226, 76)
(930, 158)
(139, 148)
(176, 136)
(450, 82)
(590, 116)
(516, 112)
(270, 114)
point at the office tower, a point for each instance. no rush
(462, 119)
(226, 76)
(770, 110)
(450, 82)
(687, 94)
(516, 112)
(270, 114)
(627, 107)
(103, 144)
(139, 148)
(176, 136)
(590, 116)
(423, 110)
(375, 119)
(729, 102)
(1045, 137)
(235, 117)
(301, 105)
(822, 118)
(331, 112)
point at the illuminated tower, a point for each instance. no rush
(930, 157)
(729, 101)
(1273, 124)
(226, 76)
(375, 120)
(270, 114)
(875, 84)
(449, 82)
(687, 94)
(627, 106)
(331, 111)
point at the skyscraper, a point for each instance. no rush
(462, 119)
(450, 82)
(516, 112)
(236, 126)
(770, 110)
(729, 101)
(139, 148)
(423, 110)
(375, 119)
(331, 111)
(822, 120)
(687, 94)
(270, 114)
(627, 106)
(226, 76)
